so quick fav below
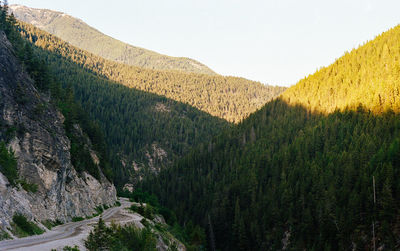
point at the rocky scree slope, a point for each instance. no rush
(33, 129)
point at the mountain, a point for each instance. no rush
(50, 170)
(301, 173)
(143, 131)
(367, 76)
(54, 167)
(79, 34)
(229, 98)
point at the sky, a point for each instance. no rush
(276, 42)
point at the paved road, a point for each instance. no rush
(68, 234)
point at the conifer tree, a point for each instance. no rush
(99, 238)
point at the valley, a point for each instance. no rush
(108, 146)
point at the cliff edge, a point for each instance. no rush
(32, 128)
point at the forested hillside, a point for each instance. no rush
(78, 33)
(52, 157)
(84, 134)
(229, 98)
(143, 131)
(300, 177)
(368, 75)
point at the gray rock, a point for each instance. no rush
(42, 149)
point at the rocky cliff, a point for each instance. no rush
(33, 129)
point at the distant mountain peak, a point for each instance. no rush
(76, 32)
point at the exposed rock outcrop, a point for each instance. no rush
(34, 130)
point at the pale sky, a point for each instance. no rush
(275, 42)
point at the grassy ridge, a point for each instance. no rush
(78, 33)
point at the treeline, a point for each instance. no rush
(301, 177)
(287, 172)
(78, 33)
(62, 98)
(120, 238)
(229, 98)
(140, 128)
(192, 236)
(368, 75)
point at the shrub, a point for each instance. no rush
(4, 235)
(50, 223)
(137, 209)
(28, 186)
(68, 248)
(120, 238)
(8, 164)
(77, 218)
(99, 209)
(148, 212)
(27, 227)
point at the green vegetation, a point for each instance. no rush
(285, 169)
(136, 124)
(368, 76)
(21, 227)
(78, 33)
(4, 235)
(29, 187)
(146, 211)
(302, 166)
(99, 209)
(8, 164)
(77, 218)
(120, 238)
(50, 223)
(229, 98)
(63, 98)
(8, 167)
(302, 170)
(68, 248)
(137, 209)
(192, 236)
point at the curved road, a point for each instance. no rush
(68, 234)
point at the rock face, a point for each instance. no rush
(34, 130)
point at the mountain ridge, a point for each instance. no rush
(300, 173)
(374, 68)
(80, 34)
(230, 98)
(144, 131)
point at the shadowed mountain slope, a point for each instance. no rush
(143, 131)
(298, 173)
(229, 98)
